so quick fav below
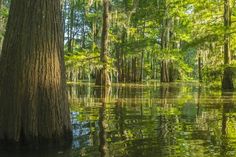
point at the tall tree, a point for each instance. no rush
(34, 106)
(103, 77)
(165, 42)
(227, 82)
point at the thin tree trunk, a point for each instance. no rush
(123, 56)
(129, 72)
(171, 71)
(200, 66)
(142, 67)
(134, 69)
(118, 63)
(34, 106)
(83, 29)
(104, 74)
(64, 17)
(71, 25)
(227, 82)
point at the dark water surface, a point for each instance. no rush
(176, 120)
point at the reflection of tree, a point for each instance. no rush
(119, 115)
(167, 123)
(70, 91)
(103, 93)
(102, 132)
(199, 99)
(227, 105)
(164, 94)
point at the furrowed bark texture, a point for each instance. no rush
(33, 100)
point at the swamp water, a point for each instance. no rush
(174, 120)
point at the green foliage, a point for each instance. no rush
(197, 26)
(137, 33)
(83, 59)
(3, 20)
(4, 12)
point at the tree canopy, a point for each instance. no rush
(165, 40)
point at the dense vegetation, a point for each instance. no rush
(43, 43)
(166, 40)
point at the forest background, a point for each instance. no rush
(166, 40)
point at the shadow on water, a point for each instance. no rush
(165, 120)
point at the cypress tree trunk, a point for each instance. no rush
(164, 71)
(71, 26)
(104, 75)
(123, 56)
(227, 82)
(172, 71)
(134, 69)
(200, 66)
(118, 63)
(165, 44)
(142, 67)
(34, 106)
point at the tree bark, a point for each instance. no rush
(200, 66)
(142, 67)
(71, 26)
(164, 71)
(104, 74)
(165, 44)
(134, 69)
(227, 82)
(34, 107)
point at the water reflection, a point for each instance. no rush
(169, 120)
(103, 93)
(227, 106)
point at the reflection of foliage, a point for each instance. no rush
(185, 120)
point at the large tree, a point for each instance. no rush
(34, 106)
